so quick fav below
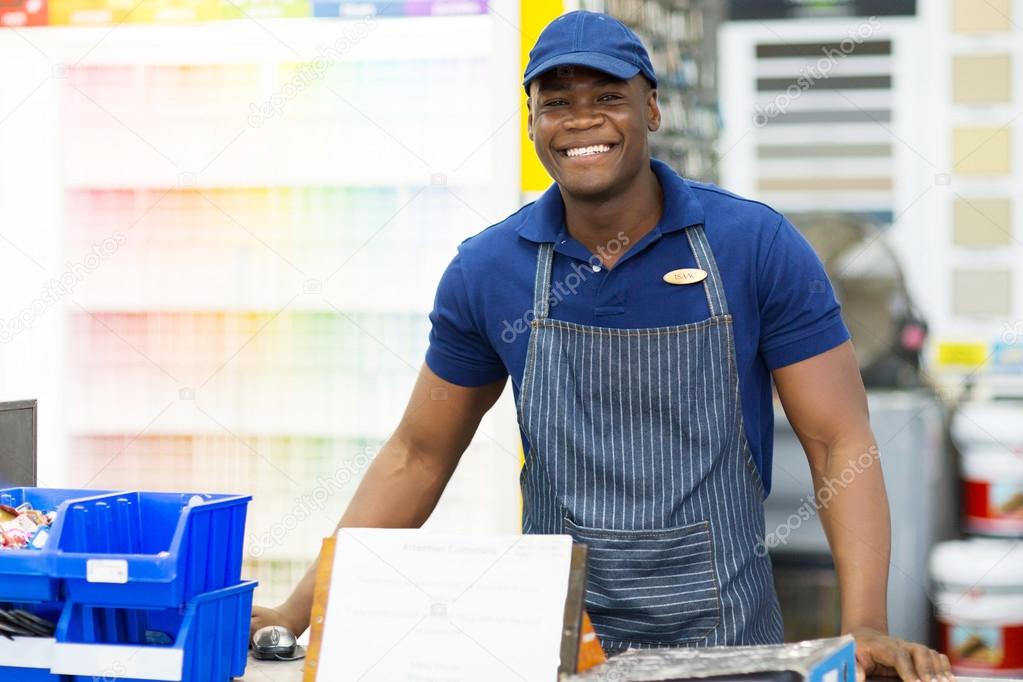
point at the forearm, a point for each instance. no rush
(399, 490)
(854, 511)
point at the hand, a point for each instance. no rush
(884, 656)
(263, 617)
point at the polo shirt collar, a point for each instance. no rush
(545, 222)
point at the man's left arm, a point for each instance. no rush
(826, 404)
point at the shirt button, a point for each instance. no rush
(596, 268)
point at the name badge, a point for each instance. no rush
(685, 276)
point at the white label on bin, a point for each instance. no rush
(106, 571)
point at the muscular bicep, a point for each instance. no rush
(824, 399)
(441, 417)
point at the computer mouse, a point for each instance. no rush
(276, 643)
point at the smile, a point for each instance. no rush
(592, 150)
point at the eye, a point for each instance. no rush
(554, 102)
(608, 97)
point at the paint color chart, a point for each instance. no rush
(255, 246)
(984, 138)
(835, 116)
(18, 13)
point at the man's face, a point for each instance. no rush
(590, 129)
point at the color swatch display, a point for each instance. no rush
(257, 316)
(821, 116)
(984, 296)
(18, 13)
(351, 131)
(397, 8)
(93, 12)
(824, 117)
(265, 9)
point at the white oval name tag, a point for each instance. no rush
(685, 276)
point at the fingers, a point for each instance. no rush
(946, 666)
(924, 663)
(861, 675)
(903, 664)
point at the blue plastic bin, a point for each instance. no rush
(209, 635)
(149, 549)
(25, 573)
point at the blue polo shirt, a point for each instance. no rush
(782, 303)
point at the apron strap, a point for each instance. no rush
(542, 284)
(712, 286)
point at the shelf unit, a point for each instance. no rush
(681, 38)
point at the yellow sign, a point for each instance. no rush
(962, 354)
(534, 15)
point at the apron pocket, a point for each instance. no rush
(650, 586)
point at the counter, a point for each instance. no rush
(291, 671)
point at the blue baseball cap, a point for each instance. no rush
(591, 39)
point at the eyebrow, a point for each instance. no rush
(562, 85)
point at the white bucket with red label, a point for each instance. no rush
(993, 490)
(998, 422)
(990, 439)
(979, 599)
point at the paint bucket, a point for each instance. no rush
(979, 599)
(993, 491)
(991, 422)
(990, 439)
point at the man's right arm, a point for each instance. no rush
(403, 484)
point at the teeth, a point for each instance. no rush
(587, 151)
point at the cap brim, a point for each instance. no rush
(594, 60)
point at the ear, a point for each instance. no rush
(529, 118)
(653, 111)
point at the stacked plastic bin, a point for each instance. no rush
(979, 581)
(141, 585)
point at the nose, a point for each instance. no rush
(583, 117)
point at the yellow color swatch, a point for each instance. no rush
(981, 79)
(101, 12)
(982, 222)
(982, 151)
(977, 16)
(982, 293)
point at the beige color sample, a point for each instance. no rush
(982, 222)
(981, 78)
(982, 293)
(972, 16)
(982, 151)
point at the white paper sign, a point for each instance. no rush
(413, 606)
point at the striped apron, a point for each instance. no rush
(637, 449)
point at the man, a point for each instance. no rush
(644, 393)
